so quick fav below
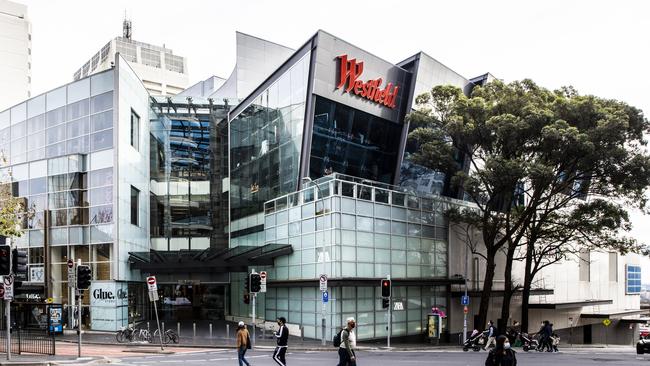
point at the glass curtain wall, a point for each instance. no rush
(265, 143)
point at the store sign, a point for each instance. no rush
(36, 274)
(349, 81)
(108, 305)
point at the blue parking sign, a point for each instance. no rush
(326, 297)
(464, 300)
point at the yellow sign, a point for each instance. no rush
(607, 322)
(49, 300)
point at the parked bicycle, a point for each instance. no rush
(130, 334)
(169, 336)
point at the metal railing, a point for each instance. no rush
(28, 341)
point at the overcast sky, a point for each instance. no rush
(599, 47)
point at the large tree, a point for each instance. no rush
(516, 148)
(12, 209)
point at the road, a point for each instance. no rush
(380, 357)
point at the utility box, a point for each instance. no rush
(434, 327)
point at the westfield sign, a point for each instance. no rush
(350, 74)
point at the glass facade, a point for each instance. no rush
(184, 211)
(353, 142)
(266, 141)
(349, 229)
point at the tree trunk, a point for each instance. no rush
(490, 266)
(507, 286)
(528, 281)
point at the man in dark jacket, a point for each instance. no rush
(282, 336)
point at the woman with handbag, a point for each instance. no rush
(243, 343)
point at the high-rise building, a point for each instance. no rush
(162, 72)
(15, 53)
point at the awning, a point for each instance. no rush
(632, 319)
(569, 304)
(211, 260)
(613, 314)
(499, 293)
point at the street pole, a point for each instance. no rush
(155, 309)
(8, 316)
(254, 297)
(465, 313)
(390, 305)
(79, 297)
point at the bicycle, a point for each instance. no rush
(130, 334)
(168, 336)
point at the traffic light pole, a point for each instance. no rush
(8, 316)
(390, 323)
(254, 326)
(79, 295)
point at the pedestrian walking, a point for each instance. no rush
(243, 343)
(502, 354)
(492, 334)
(347, 355)
(282, 336)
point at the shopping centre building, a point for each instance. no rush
(298, 165)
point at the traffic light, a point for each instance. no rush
(256, 283)
(84, 276)
(247, 298)
(385, 303)
(5, 260)
(385, 288)
(19, 261)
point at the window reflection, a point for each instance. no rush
(353, 142)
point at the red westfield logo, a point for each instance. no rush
(351, 71)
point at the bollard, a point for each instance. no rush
(227, 331)
(162, 328)
(210, 330)
(302, 333)
(148, 329)
(178, 328)
(194, 330)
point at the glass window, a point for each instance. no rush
(101, 214)
(19, 113)
(56, 98)
(101, 121)
(101, 177)
(101, 196)
(364, 223)
(78, 109)
(36, 106)
(101, 83)
(135, 206)
(78, 145)
(135, 130)
(56, 116)
(79, 90)
(101, 140)
(55, 134)
(101, 102)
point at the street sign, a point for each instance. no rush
(2, 291)
(8, 282)
(263, 281)
(464, 300)
(153, 295)
(72, 274)
(398, 306)
(323, 283)
(151, 284)
(465, 310)
(326, 297)
(607, 322)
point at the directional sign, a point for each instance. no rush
(151, 284)
(323, 283)
(8, 282)
(465, 310)
(263, 281)
(607, 322)
(326, 297)
(72, 275)
(464, 300)
(398, 306)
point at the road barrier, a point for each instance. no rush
(29, 341)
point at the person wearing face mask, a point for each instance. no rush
(283, 337)
(502, 354)
(347, 356)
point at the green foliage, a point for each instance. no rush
(12, 210)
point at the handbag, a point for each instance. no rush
(248, 341)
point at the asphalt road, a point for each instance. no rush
(263, 358)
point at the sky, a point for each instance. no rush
(599, 47)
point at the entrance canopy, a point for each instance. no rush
(212, 260)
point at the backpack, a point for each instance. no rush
(336, 340)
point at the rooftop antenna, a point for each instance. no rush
(126, 27)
